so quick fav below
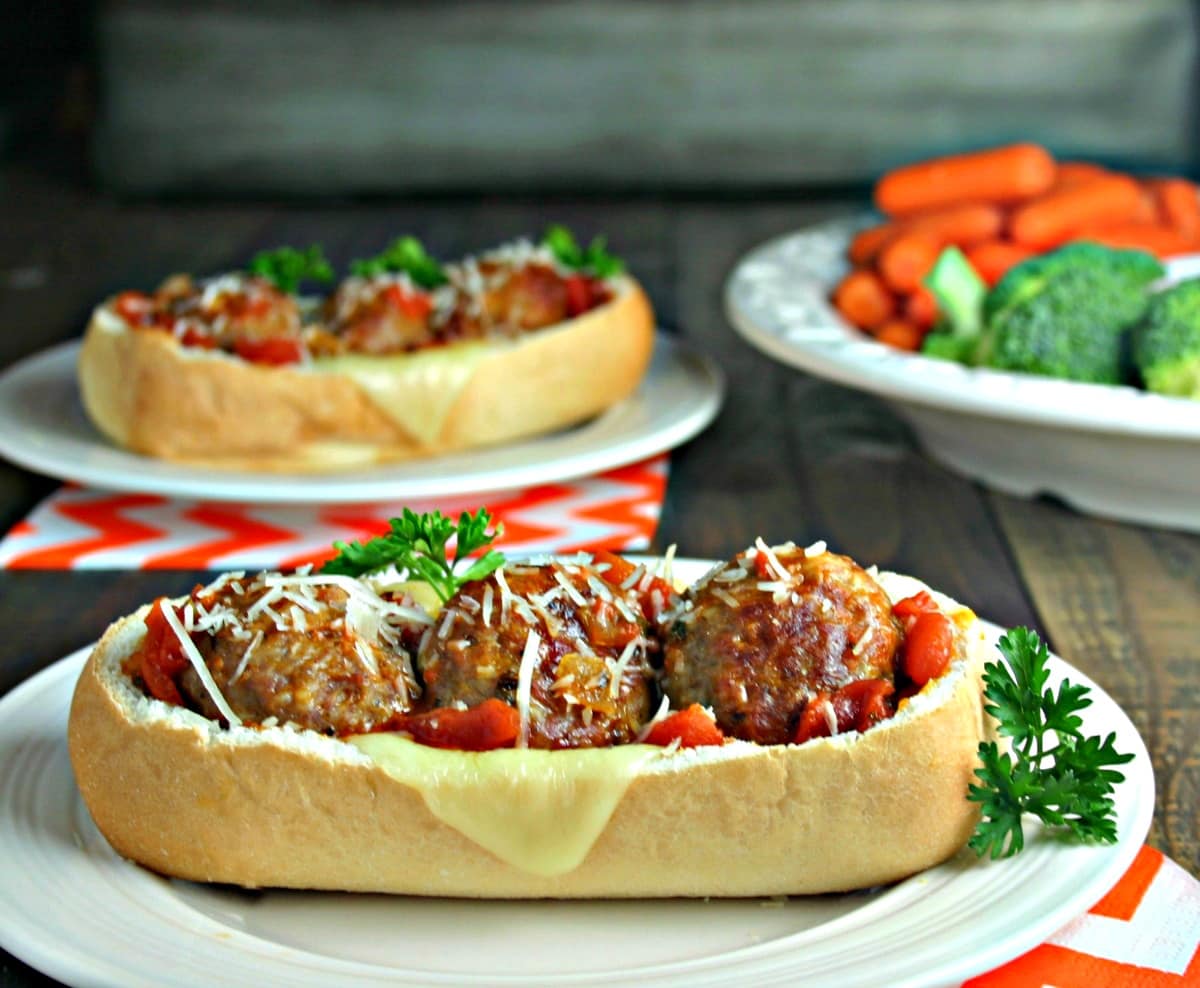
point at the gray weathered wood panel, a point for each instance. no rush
(327, 97)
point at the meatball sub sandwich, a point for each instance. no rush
(576, 726)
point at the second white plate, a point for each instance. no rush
(1109, 450)
(72, 908)
(43, 428)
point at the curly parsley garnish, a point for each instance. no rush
(594, 260)
(1054, 772)
(287, 267)
(416, 545)
(405, 255)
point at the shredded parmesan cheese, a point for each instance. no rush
(617, 672)
(773, 562)
(525, 685)
(197, 661)
(831, 720)
(664, 708)
(241, 666)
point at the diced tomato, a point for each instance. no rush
(815, 720)
(579, 295)
(864, 702)
(918, 603)
(855, 707)
(693, 727)
(273, 350)
(608, 628)
(491, 724)
(160, 656)
(762, 567)
(194, 336)
(415, 305)
(654, 598)
(133, 307)
(928, 647)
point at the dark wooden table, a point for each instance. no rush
(790, 457)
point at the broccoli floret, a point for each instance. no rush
(1066, 314)
(1166, 343)
(1025, 277)
(960, 294)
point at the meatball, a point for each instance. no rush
(591, 684)
(233, 309)
(770, 631)
(310, 654)
(381, 315)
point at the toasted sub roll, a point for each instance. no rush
(148, 393)
(283, 807)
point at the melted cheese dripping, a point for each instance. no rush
(415, 390)
(539, 811)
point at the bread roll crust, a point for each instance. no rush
(283, 808)
(146, 392)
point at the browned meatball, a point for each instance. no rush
(590, 684)
(385, 314)
(758, 643)
(232, 309)
(531, 297)
(300, 659)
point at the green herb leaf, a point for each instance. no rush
(1054, 771)
(404, 255)
(287, 267)
(417, 544)
(595, 260)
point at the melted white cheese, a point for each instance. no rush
(416, 390)
(540, 811)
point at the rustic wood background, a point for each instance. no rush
(334, 97)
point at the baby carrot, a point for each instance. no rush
(1178, 205)
(992, 258)
(1157, 239)
(900, 334)
(921, 308)
(1054, 218)
(958, 225)
(864, 300)
(1074, 172)
(998, 175)
(906, 260)
(865, 244)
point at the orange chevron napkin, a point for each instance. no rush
(1145, 933)
(81, 528)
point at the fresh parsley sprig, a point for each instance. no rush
(406, 255)
(594, 259)
(417, 545)
(287, 267)
(1053, 772)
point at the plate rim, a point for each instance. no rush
(848, 357)
(706, 379)
(49, 958)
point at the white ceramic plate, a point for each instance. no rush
(1113, 451)
(73, 909)
(43, 428)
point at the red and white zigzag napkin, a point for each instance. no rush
(1144, 934)
(80, 528)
